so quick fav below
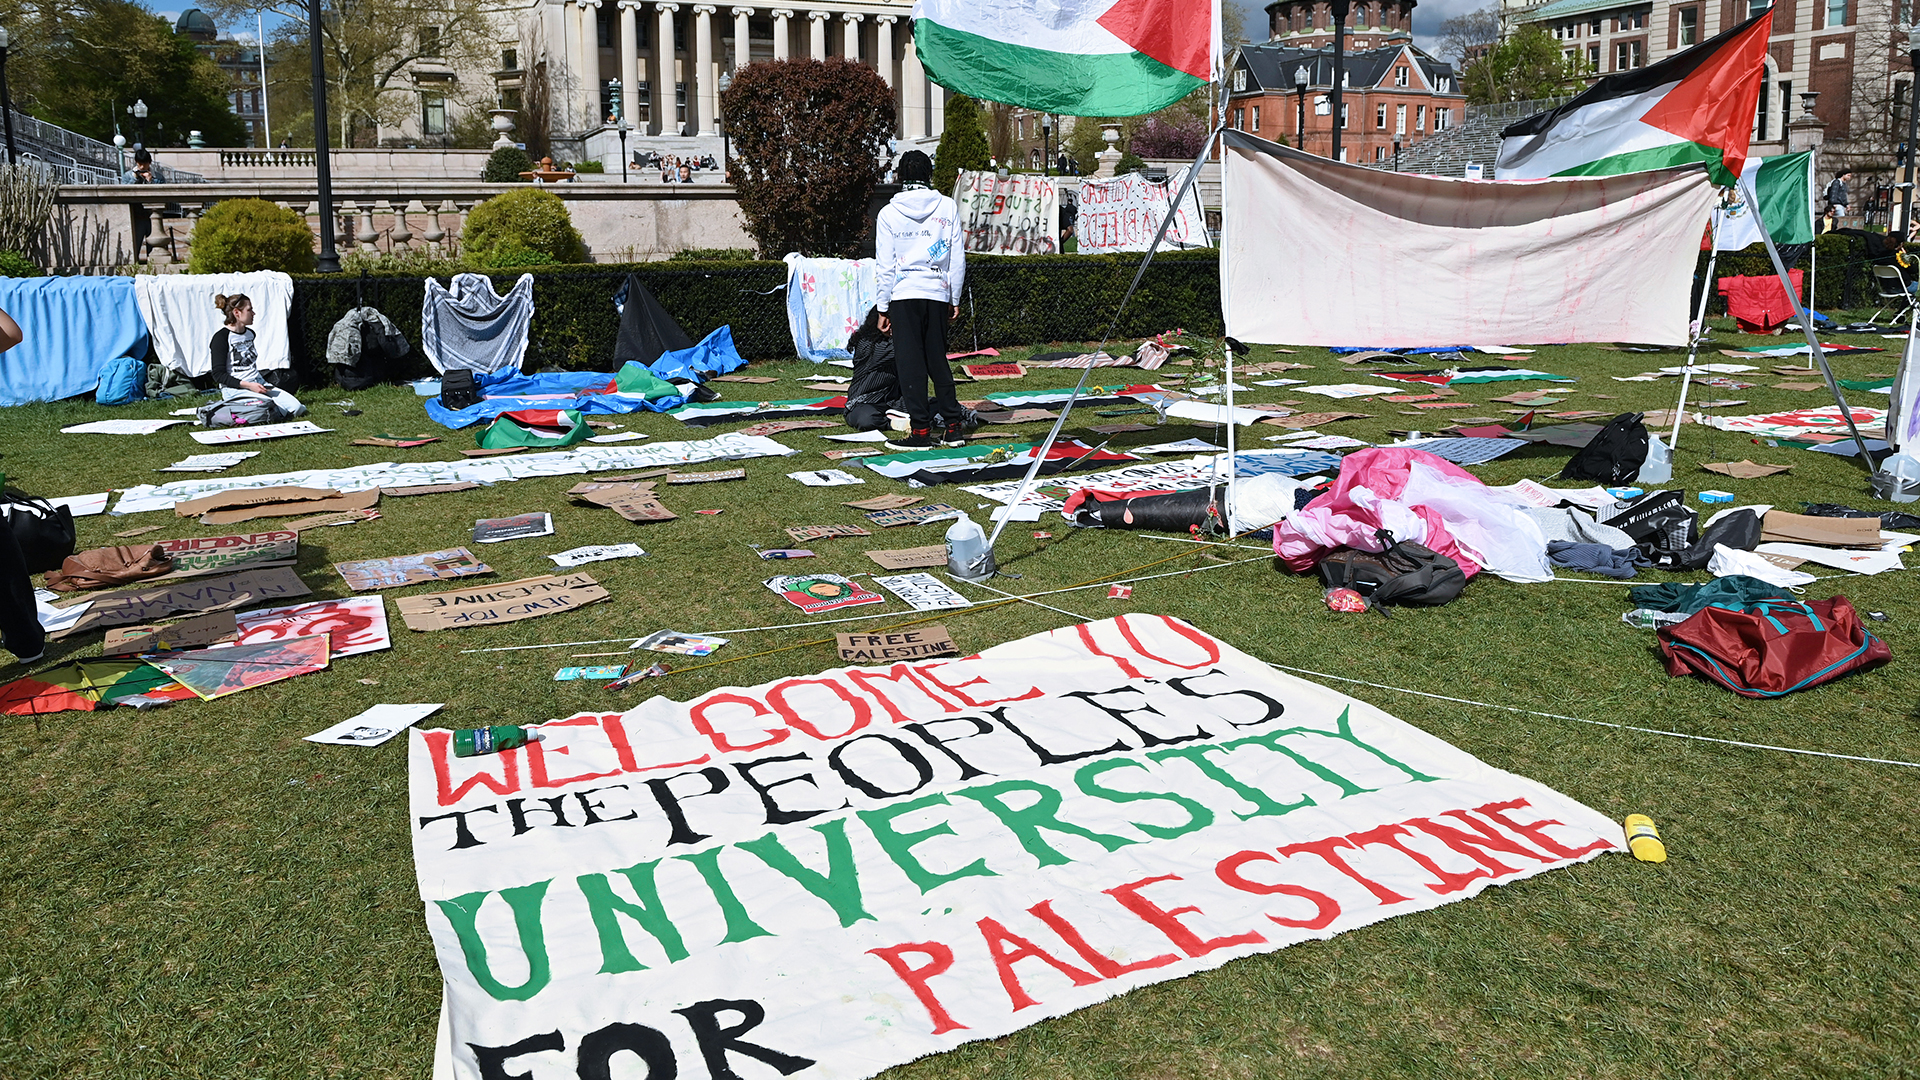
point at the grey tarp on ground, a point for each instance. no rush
(469, 326)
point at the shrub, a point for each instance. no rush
(1169, 137)
(807, 139)
(711, 254)
(963, 144)
(1131, 162)
(588, 166)
(14, 264)
(239, 235)
(520, 223)
(505, 165)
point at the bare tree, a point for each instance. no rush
(999, 130)
(1466, 38)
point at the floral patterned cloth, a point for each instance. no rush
(827, 300)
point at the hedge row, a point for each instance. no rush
(1011, 300)
(1844, 281)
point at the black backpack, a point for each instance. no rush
(459, 389)
(1405, 573)
(43, 531)
(1615, 455)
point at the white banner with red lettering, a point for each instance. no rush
(825, 876)
(1124, 213)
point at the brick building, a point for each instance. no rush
(1393, 92)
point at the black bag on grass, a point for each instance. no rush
(43, 531)
(1613, 456)
(1405, 573)
(1662, 526)
(1739, 530)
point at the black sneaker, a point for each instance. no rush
(36, 657)
(919, 439)
(956, 435)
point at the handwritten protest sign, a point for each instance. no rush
(1124, 213)
(1015, 215)
(831, 874)
(527, 598)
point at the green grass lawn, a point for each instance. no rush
(195, 892)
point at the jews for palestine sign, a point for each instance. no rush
(828, 875)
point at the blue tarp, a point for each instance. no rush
(509, 391)
(73, 326)
(714, 353)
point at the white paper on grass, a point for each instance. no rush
(1727, 562)
(1023, 512)
(210, 462)
(596, 553)
(858, 436)
(1858, 561)
(1208, 413)
(619, 436)
(53, 619)
(1292, 435)
(120, 427)
(1498, 349)
(1184, 446)
(732, 446)
(1218, 388)
(1281, 382)
(375, 726)
(1327, 442)
(1351, 390)
(825, 478)
(827, 998)
(841, 363)
(84, 505)
(256, 432)
(922, 591)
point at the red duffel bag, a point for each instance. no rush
(1772, 648)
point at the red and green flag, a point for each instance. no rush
(1697, 106)
(1076, 57)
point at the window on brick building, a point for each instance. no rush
(1239, 119)
(1593, 57)
(1629, 55)
(1689, 26)
(1419, 118)
(1399, 119)
(1836, 12)
(1256, 118)
(1380, 117)
(1400, 76)
(1441, 118)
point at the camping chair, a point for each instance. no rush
(1891, 290)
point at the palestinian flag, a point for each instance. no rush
(1077, 57)
(1784, 186)
(1695, 107)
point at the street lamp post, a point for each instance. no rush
(720, 114)
(329, 260)
(1913, 132)
(1301, 77)
(6, 101)
(139, 111)
(1046, 150)
(1340, 8)
(624, 128)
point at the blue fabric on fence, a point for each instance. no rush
(73, 327)
(510, 390)
(714, 353)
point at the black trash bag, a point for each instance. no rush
(1892, 519)
(1179, 511)
(1661, 524)
(44, 531)
(646, 330)
(364, 348)
(1739, 530)
(1613, 456)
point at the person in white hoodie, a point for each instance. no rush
(920, 264)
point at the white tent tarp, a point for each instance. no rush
(1317, 252)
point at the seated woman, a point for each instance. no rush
(236, 358)
(874, 389)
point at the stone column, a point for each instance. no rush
(913, 79)
(817, 38)
(850, 35)
(936, 108)
(883, 45)
(665, 117)
(590, 63)
(576, 64)
(780, 32)
(702, 75)
(742, 51)
(629, 59)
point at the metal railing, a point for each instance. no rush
(80, 159)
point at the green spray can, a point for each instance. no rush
(472, 742)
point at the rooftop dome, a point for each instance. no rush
(195, 23)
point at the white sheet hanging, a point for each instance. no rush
(180, 315)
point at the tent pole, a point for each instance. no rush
(1813, 278)
(1806, 328)
(1899, 410)
(1040, 455)
(1699, 331)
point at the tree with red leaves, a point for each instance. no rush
(809, 138)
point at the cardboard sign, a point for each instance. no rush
(395, 571)
(994, 371)
(923, 592)
(1744, 469)
(425, 489)
(909, 558)
(517, 527)
(803, 533)
(1303, 421)
(210, 462)
(528, 598)
(194, 556)
(913, 515)
(1821, 531)
(254, 432)
(186, 634)
(775, 427)
(607, 489)
(815, 593)
(245, 497)
(355, 625)
(913, 644)
(596, 553)
(883, 502)
(317, 521)
(635, 502)
(355, 500)
(706, 477)
(132, 606)
(215, 673)
(400, 443)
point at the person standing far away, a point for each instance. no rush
(919, 266)
(1837, 197)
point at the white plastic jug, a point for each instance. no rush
(1658, 468)
(968, 557)
(1899, 477)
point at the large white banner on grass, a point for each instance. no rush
(1319, 252)
(828, 875)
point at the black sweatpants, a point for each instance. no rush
(19, 619)
(919, 354)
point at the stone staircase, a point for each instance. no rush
(1475, 141)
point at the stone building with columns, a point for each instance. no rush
(658, 65)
